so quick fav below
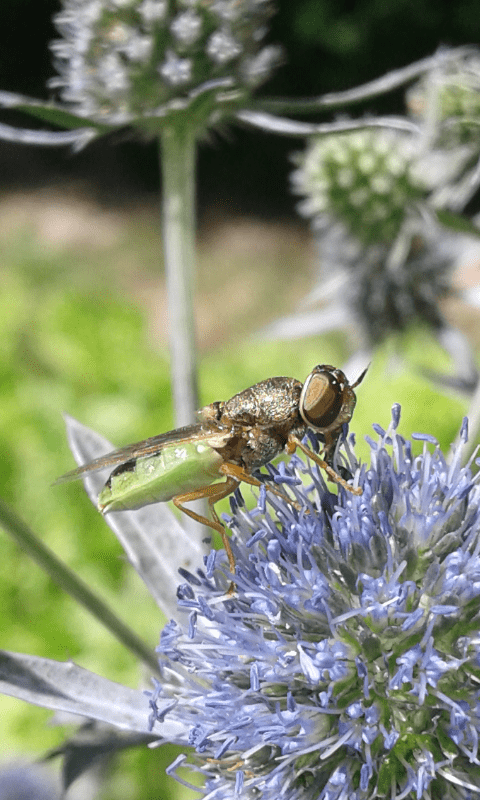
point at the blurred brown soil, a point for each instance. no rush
(249, 271)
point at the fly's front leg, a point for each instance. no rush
(331, 440)
(292, 445)
(213, 494)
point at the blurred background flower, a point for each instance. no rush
(131, 62)
(383, 206)
(173, 71)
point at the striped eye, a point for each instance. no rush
(321, 399)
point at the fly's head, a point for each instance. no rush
(327, 401)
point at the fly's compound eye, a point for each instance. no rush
(321, 399)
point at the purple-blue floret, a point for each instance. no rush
(346, 664)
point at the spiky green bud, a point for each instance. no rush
(364, 179)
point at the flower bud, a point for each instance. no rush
(126, 60)
(448, 99)
(363, 179)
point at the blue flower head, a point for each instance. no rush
(347, 663)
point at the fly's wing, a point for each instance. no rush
(144, 449)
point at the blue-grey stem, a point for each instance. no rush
(386, 83)
(290, 127)
(178, 149)
(473, 415)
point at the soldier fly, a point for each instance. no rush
(231, 440)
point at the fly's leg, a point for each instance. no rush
(213, 493)
(292, 445)
(242, 476)
(234, 475)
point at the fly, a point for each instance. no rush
(231, 440)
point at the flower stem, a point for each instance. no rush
(387, 83)
(178, 223)
(473, 415)
(71, 583)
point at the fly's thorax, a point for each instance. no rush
(271, 402)
(179, 468)
(261, 446)
(255, 446)
(260, 420)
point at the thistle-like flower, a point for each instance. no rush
(451, 95)
(346, 664)
(142, 63)
(381, 289)
(137, 62)
(380, 207)
(365, 180)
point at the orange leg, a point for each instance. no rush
(213, 494)
(240, 475)
(234, 475)
(292, 445)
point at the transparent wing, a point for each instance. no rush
(148, 447)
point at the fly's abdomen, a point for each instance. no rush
(178, 468)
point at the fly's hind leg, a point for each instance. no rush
(292, 445)
(241, 475)
(213, 493)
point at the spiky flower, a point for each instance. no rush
(347, 663)
(377, 201)
(381, 290)
(392, 288)
(365, 179)
(448, 100)
(139, 60)
(362, 193)
(345, 666)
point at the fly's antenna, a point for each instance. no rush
(361, 377)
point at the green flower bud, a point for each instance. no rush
(364, 179)
(449, 100)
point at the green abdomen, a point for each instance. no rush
(178, 468)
